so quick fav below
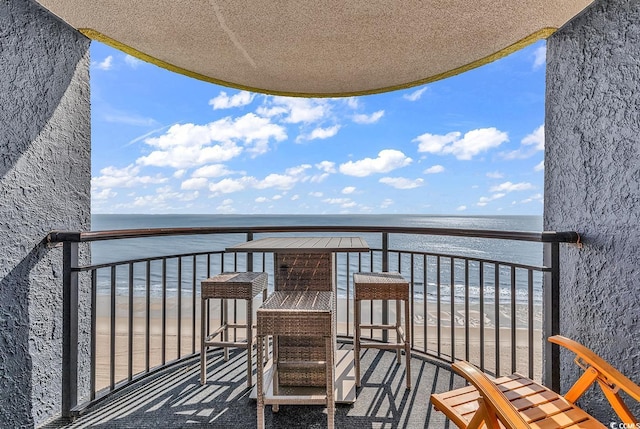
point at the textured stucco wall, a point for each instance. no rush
(592, 184)
(44, 185)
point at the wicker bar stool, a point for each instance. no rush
(226, 286)
(294, 315)
(383, 286)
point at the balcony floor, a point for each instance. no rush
(174, 398)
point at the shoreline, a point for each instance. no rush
(344, 327)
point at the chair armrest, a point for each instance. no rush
(612, 375)
(491, 396)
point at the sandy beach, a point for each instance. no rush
(424, 327)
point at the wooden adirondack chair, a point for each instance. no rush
(517, 402)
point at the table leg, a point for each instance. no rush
(260, 382)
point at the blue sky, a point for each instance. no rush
(472, 144)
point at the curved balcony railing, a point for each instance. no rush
(142, 314)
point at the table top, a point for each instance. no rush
(302, 245)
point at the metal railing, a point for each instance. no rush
(483, 310)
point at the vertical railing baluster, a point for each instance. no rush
(208, 321)
(551, 315)
(452, 293)
(466, 309)
(94, 332)
(438, 305)
(112, 339)
(147, 326)
(193, 304)
(496, 309)
(411, 302)
(514, 325)
(249, 255)
(424, 300)
(130, 333)
(481, 315)
(179, 310)
(69, 327)
(348, 286)
(531, 321)
(385, 268)
(164, 311)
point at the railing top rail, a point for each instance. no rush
(89, 236)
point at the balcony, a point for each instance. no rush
(137, 321)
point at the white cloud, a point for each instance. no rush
(435, 169)
(327, 166)
(402, 182)
(127, 177)
(189, 145)
(228, 186)
(163, 199)
(279, 181)
(530, 144)
(352, 102)
(483, 201)
(132, 62)
(540, 57)
(387, 160)
(285, 181)
(316, 194)
(465, 148)
(415, 95)
(535, 139)
(319, 178)
(348, 190)
(262, 200)
(295, 110)
(178, 174)
(212, 170)
(533, 198)
(495, 175)
(226, 206)
(368, 119)
(511, 187)
(539, 167)
(342, 202)
(388, 202)
(295, 197)
(194, 183)
(223, 101)
(321, 133)
(461, 208)
(105, 64)
(105, 194)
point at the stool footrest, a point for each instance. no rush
(389, 327)
(296, 400)
(389, 346)
(238, 344)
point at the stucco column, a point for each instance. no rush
(592, 184)
(45, 174)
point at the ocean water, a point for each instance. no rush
(502, 250)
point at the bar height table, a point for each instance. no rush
(305, 264)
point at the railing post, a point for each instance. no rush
(551, 315)
(249, 255)
(69, 327)
(385, 268)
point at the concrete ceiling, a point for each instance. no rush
(320, 47)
